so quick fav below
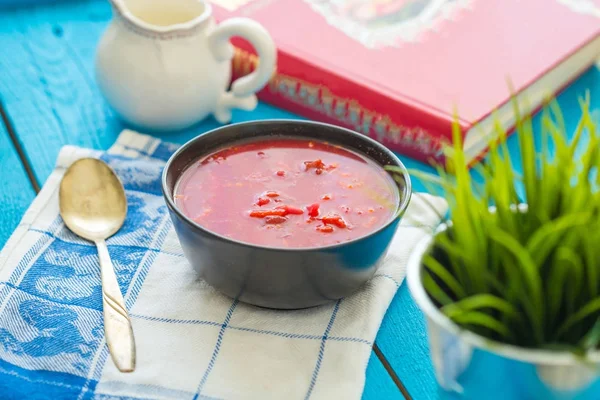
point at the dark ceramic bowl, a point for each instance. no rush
(276, 277)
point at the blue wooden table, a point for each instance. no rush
(49, 99)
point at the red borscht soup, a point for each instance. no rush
(287, 193)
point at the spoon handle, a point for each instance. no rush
(117, 326)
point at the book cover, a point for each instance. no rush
(397, 70)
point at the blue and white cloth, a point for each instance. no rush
(192, 342)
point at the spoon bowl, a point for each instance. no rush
(92, 200)
(93, 205)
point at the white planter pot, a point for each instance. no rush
(469, 366)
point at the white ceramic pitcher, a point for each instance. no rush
(165, 64)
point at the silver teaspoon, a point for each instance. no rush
(93, 205)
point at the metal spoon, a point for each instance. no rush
(93, 205)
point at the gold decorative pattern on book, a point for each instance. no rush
(346, 111)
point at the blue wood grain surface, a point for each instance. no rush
(47, 81)
(23, 3)
(48, 87)
(16, 192)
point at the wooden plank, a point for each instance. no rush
(403, 339)
(402, 336)
(47, 81)
(16, 192)
(53, 100)
(21, 3)
(379, 385)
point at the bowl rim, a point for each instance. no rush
(402, 204)
(432, 312)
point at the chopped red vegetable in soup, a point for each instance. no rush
(262, 201)
(287, 193)
(313, 210)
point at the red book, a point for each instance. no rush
(397, 70)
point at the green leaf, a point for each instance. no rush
(546, 237)
(529, 273)
(480, 301)
(434, 290)
(557, 114)
(589, 309)
(557, 276)
(592, 339)
(482, 320)
(574, 283)
(442, 273)
(459, 259)
(591, 263)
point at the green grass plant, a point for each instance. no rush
(523, 269)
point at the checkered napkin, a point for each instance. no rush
(192, 342)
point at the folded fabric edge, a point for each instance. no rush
(129, 139)
(425, 207)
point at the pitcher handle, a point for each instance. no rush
(242, 90)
